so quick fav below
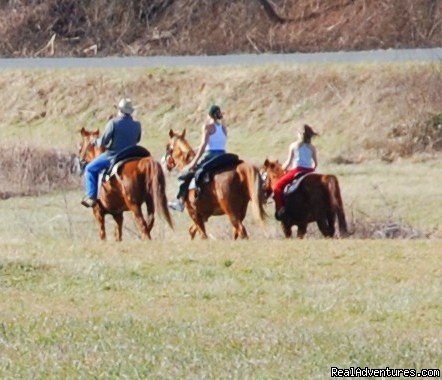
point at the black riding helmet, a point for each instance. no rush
(215, 112)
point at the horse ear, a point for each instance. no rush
(183, 134)
(266, 162)
(83, 131)
(97, 132)
(171, 134)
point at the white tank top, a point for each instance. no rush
(302, 156)
(217, 140)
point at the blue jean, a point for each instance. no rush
(91, 173)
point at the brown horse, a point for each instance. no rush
(228, 193)
(317, 199)
(138, 181)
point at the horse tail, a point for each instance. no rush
(159, 192)
(254, 185)
(337, 205)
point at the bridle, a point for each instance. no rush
(185, 149)
(85, 148)
(266, 188)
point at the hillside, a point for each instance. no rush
(362, 111)
(171, 27)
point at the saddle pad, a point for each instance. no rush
(118, 165)
(203, 174)
(130, 152)
(135, 152)
(292, 186)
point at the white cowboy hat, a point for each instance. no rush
(125, 106)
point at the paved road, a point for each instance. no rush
(402, 55)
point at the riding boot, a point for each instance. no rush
(89, 202)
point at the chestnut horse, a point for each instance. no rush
(228, 193)
(137, 181)
(317, 199)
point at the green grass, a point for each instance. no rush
(279, 308)
(72, 306)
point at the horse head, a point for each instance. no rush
(178, 151)
(271, 171)
(87, 150)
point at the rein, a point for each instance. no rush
(184, 148)
(84, 151)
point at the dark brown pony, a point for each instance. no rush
(228, 193)
(137, 182)
(317, 199)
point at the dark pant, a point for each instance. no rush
(186, 178)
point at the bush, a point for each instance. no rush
(26, 170)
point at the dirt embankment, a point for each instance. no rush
(152, 27)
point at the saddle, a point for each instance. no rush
(204, 173)
(129, 154)
(293, 186)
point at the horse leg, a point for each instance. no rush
(150, 215)
(302, 230)
(235, 233)
(141, 222)
(287, 230)
(331, 218)
(119, 227)
(99, 216)
(324, 227)
(236, 215)
(199, 223)
(238, 228)
(242, 231)
(193, 229)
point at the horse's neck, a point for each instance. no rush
(97, 152)
(188, 153)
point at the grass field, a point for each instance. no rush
(74, 307)
(261, 309)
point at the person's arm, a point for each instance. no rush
(106, 138)
(202, 146)
(139, 135)
(289, 158)
(314, 157)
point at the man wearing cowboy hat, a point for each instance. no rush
(120, 133)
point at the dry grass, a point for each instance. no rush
(29, 170)
(154, 27)
(360, 110)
